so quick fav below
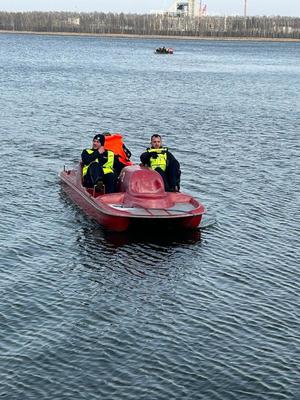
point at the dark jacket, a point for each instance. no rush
(88, 158)
(172, 174)
(102, 159)
(145, 158)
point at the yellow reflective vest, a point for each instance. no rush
(161, 160)
(107, 167)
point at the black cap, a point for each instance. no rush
(100, 137)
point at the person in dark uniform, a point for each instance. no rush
(98, 166)
(160, 159)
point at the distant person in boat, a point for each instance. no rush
(164, 50)
(160, 159)
(114, 142)
(98, 166)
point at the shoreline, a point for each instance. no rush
(163, 37)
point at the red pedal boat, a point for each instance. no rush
(141, 202)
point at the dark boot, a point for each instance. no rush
(100, 187)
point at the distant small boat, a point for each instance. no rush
(164, 50)
(140, 202)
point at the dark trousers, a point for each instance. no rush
(95, 173)
(171, 176)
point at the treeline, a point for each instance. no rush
(149, 24)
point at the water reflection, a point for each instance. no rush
(140, 255)
(164, 239)
(120, 239)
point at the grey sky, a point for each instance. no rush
(219, 7)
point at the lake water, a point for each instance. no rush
(212, 314)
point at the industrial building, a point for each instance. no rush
(183, 8)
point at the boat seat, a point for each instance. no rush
(147, 188)
(146, 183)
(144, 187)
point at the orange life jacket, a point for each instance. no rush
(114, 142)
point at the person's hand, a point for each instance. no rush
(101, 150)
(154, 155)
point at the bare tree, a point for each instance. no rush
(148, 24)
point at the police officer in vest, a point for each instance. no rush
(161, 160)
(98, 166)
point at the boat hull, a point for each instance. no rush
(125, 210)
(114, 223)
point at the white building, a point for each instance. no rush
(191, 8)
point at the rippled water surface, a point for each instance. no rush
(211, 314)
